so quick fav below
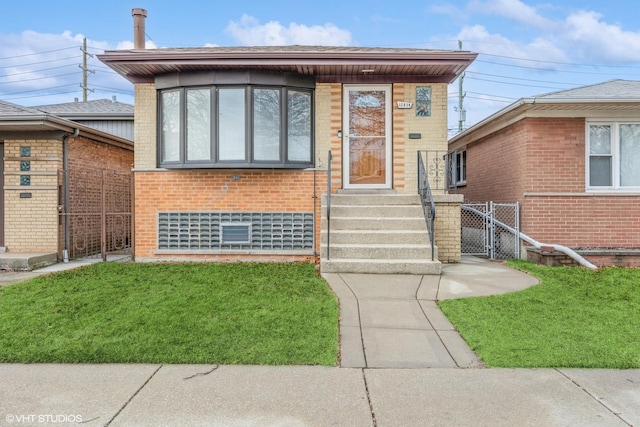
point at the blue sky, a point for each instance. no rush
(525, 47)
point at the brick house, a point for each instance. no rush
(572, 161)
(40, 203)
(232, 151)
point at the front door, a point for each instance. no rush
(367, 136)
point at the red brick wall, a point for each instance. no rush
(583, 221)
(555, 155)
(85, 153)
(253, 191)
(496, 165)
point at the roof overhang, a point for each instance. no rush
(326, 64)
(46, 126)
(548, 108)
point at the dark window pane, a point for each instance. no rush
(600, 171)
(266, 124)
(199, 124)
(299, 126)
(231, 124)
(170, 138)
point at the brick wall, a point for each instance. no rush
(31, 224)
(583, 220)
(496, 166)
(220, 190)
(433, 131)
(87, 153)
(447, 227)
(145, 114)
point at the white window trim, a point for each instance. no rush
(615, 156)
(462, 166)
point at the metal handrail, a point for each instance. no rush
(428, 204)
(329, 157)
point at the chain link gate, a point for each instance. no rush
(100, 212)
(487, 230)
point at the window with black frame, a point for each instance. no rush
(237, 126)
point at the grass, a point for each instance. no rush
(275, 314)
(574, 318)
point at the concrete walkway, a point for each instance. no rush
(392, 321)
(211, 395)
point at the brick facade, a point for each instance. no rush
(31, 222)
(540, 163)
(221, 190)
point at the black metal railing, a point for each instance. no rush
(426, 198)
(329, 205)
(439, 166)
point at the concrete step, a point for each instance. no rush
(372, 199)
(376, 236)
(382, 211)
(380, 266)
(378, 251)
(375, 223)
(26, 261)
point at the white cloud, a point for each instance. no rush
(514, 10)
(584, 36)
(250, 32)
(595, 40)
(479, 39)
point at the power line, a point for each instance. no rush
(41, 62)
(36, 71)
(40, 78)
(38, 53)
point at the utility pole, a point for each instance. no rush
(461, 111)
(85, 70)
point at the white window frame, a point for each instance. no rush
(615, 156)
(461, 165)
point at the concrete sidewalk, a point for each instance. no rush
(206, 395)
(392, 321)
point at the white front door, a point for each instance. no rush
(366, 143)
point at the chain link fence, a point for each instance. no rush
(491, 229)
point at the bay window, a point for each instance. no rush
(613, 156)
(248, 120)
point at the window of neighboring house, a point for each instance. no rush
(461, 167)
(613, 151)
(456, 162)
(236, 126)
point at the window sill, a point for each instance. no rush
(236, 166)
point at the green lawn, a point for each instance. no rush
(574, 318)
(247, 313)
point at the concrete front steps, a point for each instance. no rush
(376, 233)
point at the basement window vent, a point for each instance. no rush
(235, 232)
(255, 231)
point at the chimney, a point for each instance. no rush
(138, 27)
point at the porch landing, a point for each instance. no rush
(26, 261)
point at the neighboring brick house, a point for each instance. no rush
(572, 161)
(36, 227)
(232, 142)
